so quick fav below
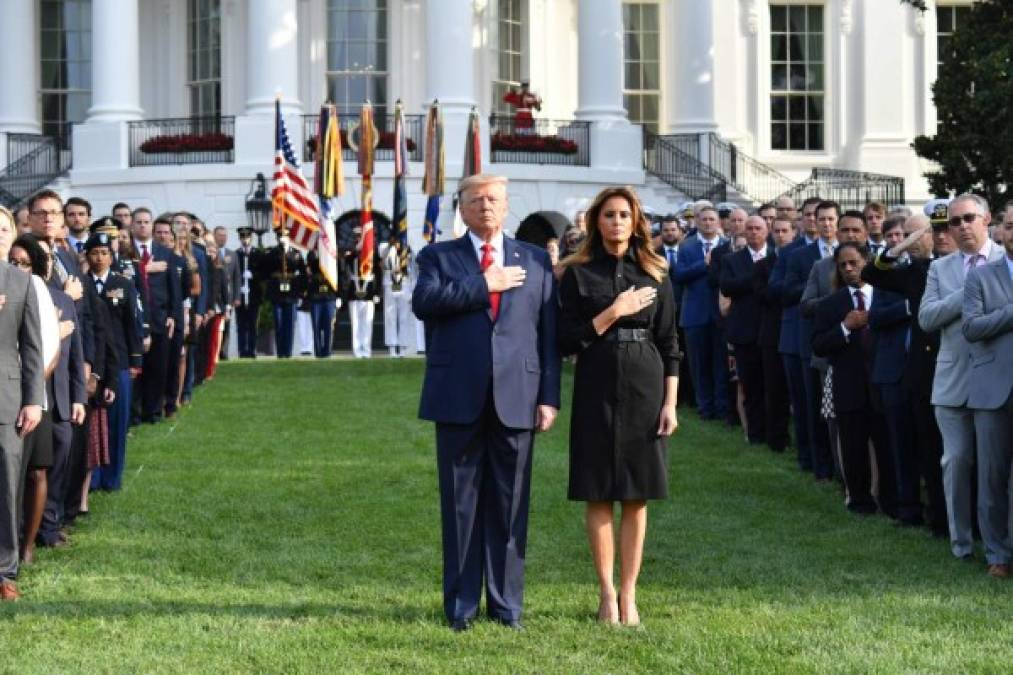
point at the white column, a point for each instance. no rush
(19, 68)
(600, 61)
(694, 70)
(450, 66)
(272, 57)
(116, 91)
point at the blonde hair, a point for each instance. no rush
(479, 180)
(6, 213)
(640, 240)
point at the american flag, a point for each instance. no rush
(295, 210)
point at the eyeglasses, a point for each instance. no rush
(24, 264)
(967, 218)
(42, 214)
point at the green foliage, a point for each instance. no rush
(973, 145)
(288, 522)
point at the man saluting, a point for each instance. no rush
(492, 380)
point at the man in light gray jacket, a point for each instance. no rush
(941, 309)
(21, 398)
(988, 326)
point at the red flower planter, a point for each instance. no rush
(211, 142)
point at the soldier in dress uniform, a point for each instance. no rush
(120, 297)
(360, 294)
(323, 302)
(285, 271)
(398, 320)
(248, 293)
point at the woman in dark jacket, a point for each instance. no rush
(618, 316)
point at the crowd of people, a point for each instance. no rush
(877, 342)
(124, 316)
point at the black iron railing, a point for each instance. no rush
(539, 141)
(348, 122)
(36, 161)
(850, 189)
(183, 140)
(681, 170)
(749, 176)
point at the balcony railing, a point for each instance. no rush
(384, 125)
(35, 162)
(664, 158)
(539, 141)
(189, 140)
(850, 189)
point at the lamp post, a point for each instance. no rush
(258, 208)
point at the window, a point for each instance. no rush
(509, 41)
(204, 51)
(65, 48)
(796, 77)
(948, 17)
(357, 54)
(642, 64)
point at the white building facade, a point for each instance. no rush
(764, 90)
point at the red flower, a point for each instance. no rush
(210, 142)
(533, 143)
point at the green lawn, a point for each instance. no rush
(288, 522)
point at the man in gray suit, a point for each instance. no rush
(941, 310)
(20, 406)
(232, 277)
(988, 326)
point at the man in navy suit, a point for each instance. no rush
(699, 317)
(161, 297)
(492, 379)
(800, 264)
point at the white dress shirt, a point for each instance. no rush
(984, 254)
(497, 247)
(49, 324)
(866, 290)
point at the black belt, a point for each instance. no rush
(628, 335)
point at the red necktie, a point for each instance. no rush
(145, 259)
(494, 296)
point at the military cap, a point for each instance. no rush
(937, 211)
(725, 208)
(106, 225)
(245, 232)
(97, 239)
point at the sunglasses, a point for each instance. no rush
(967, 218)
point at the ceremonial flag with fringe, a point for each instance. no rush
(472, 165)
(367, 141)
(293, 208)
(399, 231)
(330, 183)
(434, 177)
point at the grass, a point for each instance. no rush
(288, 522)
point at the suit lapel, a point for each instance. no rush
(1005, 281)
(466, 254)
(512, 255)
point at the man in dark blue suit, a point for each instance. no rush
(161, 297)
(492, 379)
(800, 263)
(699, 317)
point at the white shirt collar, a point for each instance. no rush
(713, 242)
(497, 246)
(985, 251)
(103, 278)
(762, 252)
(866, 290)
(138, 243)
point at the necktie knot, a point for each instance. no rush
(859, 299)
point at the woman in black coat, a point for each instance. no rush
(618, 316)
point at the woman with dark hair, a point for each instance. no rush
(618, 316)
(843, 335)
(218, 302)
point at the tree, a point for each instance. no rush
(973, 145)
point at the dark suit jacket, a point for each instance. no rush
(770, 300)
(466, 352)
(163, 299)
(852, 364)
(788, 339)
(800, 263)
(909, 280)
(699, 304)
(119, 298)
(67, 381)
(83, 307)
(738, 272)
(676, 288)
(251, 262)
(889, 320)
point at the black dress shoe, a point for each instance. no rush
(460, 625)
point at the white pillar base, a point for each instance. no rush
(101, 145)
(617, 146)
